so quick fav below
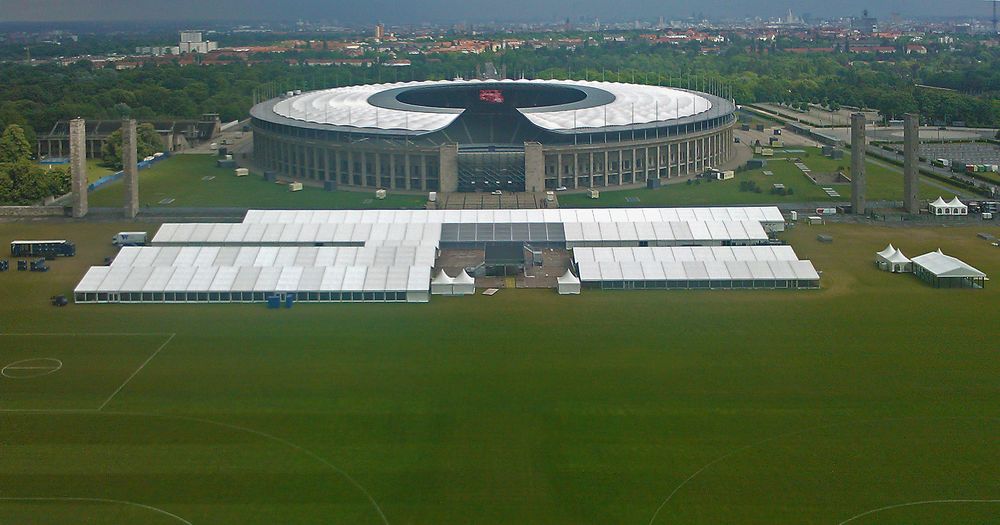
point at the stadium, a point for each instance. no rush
(487, 135)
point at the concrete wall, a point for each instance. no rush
(32, 211)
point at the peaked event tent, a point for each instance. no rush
(899, 263)
(568, 284)
(442, 284)
(952, 207)
(464, 284)
(883, 256)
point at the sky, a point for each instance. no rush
(416, 11)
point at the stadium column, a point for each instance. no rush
(534, 167)
(448, 166)
(130, 164)
(911, 171)
(314, 173)
(621, 165)
(576, 169)
(78, 165)
(590, 175)
(326, 164)
(858, 145)
(559, 169)
(392, 169)
(350, 166)
(407, 170)
(378, 170)
(687, 157)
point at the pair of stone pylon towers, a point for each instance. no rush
(911, 155)
(78, 167)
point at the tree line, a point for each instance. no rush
(35, 97)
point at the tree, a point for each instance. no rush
(14, 145)
(147, 143)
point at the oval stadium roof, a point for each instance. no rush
(607, 104)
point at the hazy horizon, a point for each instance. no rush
(446, 11)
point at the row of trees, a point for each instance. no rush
(36, 97)
(23, 181)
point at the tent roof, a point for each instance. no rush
(938, 202)
(955, 202)
(943, 265)
(887, 252)
(568, 278)
(464, 278)
(442, 278)
(898, 257)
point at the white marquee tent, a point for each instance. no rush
(464, 284)
(952, 207)
(568, 284)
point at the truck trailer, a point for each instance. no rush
(130, 239)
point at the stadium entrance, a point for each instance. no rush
(490, 168)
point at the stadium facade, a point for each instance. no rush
(473, 135)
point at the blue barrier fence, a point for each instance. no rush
(119, 174)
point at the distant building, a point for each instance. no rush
(193, 42)
(379, 32)
(866, 25)
(175, 134)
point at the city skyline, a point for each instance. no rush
(446, 11)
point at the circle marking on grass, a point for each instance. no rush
(30, 368)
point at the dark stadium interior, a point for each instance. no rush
(471, 96)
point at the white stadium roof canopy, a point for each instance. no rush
(632, 104)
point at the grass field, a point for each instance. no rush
(526, 407)
(188, 179)
(883, 184)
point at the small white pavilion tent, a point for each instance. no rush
(442, 284)
(952, 207)
(568, 284)
(464, 284)
(899, 263)
(882, 257)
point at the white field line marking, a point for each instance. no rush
(239, 428)
(735, 451)
(915, 503)
(99, 500)
(95, 334)
(136, 372)
(49, 369)
(47, 410)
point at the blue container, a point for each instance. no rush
(274, 302)
(289, 300)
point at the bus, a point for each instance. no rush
(42, 249)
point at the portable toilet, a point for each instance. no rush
(289, 300)
(273, 302)
(295, 186)
(380, 194)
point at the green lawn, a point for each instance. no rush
(883, 184)
(526, 407)
(95, 170)
(183, 178)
